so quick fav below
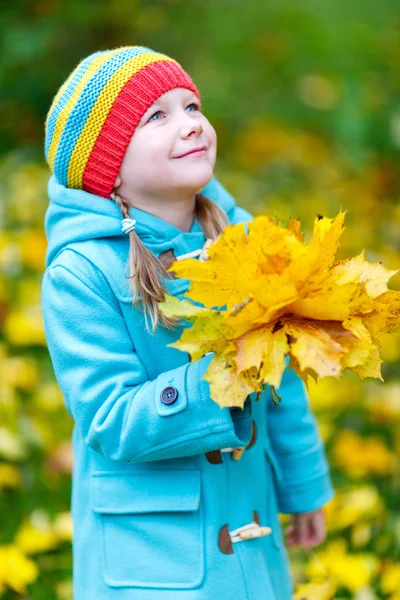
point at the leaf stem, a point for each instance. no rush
(275, 396)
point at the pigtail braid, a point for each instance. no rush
(146, 268)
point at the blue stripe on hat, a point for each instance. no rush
(82, 109)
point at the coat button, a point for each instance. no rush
(169, 395)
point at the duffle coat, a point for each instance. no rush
(157, 492)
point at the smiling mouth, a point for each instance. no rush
(194, 153)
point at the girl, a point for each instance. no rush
(172, 496)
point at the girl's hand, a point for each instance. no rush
(306, 529)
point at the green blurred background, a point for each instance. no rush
(304, 97)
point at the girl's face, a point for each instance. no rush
(171, 127)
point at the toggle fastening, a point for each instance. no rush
(251, 530)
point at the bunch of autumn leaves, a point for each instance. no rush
(264, 294)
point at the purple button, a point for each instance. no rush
(169, 395)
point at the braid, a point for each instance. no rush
(146, 268)
(122, 205)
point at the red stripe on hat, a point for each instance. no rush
(138, 94)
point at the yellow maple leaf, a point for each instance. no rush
(265, 348)
(265, 294)
(374, 275)
(226, 383)
(385, 317)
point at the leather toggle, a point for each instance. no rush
(252, 530)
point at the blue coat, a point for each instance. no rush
(154, 499)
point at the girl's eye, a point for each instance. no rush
(195, 104)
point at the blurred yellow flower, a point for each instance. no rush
(29, 291)
(361, 534)
(36, 534)
(390, 579)
(12, 446)
(10, 476)
(48, 397)
(358, 504)
(16, 570)
(9, 253)
(383, 403)
(32, 540)
(316, 590)
(24, 327)
(20, 372)
(351, 571)
(333, 396)
(62, 526)
(33, 245)
(359, 456)
(326, 429)
(330, 509)
(27, 184)
(39, 534)
(8, 402)
(64, 590)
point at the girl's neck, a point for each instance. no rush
(180, 213)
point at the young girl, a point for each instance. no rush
(173, 497)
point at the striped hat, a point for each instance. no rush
(96, 110)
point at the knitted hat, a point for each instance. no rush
(96, 110)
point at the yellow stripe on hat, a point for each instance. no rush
(60, 92)
(99, 113)
(64, 114)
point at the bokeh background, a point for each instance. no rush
(305, 100)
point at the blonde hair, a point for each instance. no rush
(146, 268)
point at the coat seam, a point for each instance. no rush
(188, 438)
(83, 279)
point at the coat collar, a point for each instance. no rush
(75, 215)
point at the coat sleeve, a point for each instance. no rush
(115, 406)
(296, 450)
(303, 481)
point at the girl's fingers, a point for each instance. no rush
(314, 529)
(306, 529)
(303, 529)
(290, 530)
(292, 542)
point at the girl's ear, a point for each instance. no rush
(117, 182)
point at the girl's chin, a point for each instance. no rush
(198, 177)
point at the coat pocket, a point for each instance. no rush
(151, 528)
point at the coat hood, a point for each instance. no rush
(75, 215)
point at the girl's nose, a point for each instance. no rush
(192, 126)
